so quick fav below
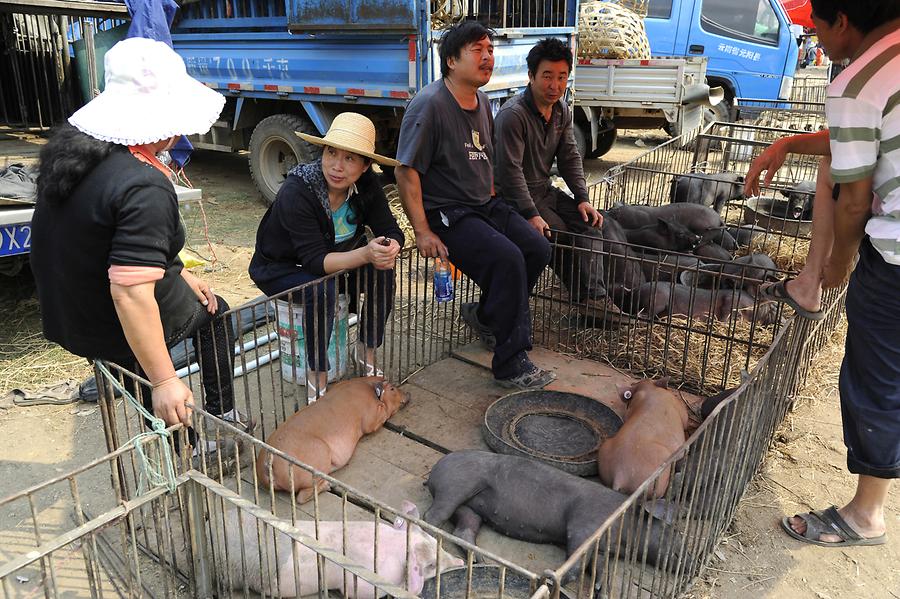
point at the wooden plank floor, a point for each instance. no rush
(445, 413)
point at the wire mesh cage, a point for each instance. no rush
(809, 89)
(217, 522)
(650, 543)
(799, 116)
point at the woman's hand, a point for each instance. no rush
(203, 291)
(172, 401)
(382, 256)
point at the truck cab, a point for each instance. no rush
(751, 49)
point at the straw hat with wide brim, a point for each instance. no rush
(352, 132)
(148, 97)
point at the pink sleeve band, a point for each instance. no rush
(127, 276)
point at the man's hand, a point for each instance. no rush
(590, 215)
(540, 225)
(430, 245)
(172, 401)
(202, 290)
(770, 161)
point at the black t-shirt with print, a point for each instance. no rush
(451, 148)
(124, 212)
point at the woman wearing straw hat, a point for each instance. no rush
(106, 233)
(316, 227)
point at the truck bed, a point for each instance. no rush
(634, 83)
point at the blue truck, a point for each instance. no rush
(292, 65)
(751, 50)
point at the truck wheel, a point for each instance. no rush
(275, 150)
(721, 112)
(605, 139)
(580, 139)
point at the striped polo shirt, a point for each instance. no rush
(863, 112)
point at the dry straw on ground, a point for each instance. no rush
(706, 357)
(27, 359)
(393, 197)
(788, 253)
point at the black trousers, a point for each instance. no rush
(576, 259)
(213, 338)
(497, 248)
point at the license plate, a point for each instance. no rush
(15, 239)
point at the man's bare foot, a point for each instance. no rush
(862, 524)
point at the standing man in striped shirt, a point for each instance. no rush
(862, 158)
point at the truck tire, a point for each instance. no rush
(605, 139)
(580, 138)
(275, 150)
(721, 112)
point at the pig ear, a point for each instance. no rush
(662, 382)
(379, 390)
(415, 568)
(407, 509)
(662, 224)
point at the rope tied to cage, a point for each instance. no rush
(155, 473)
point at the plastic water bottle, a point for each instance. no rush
(443, 281)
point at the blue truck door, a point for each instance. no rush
(666, 23)
(746, 43)
(305, 15)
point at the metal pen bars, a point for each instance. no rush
(159, 544)
(809, 89)
(39, 86)
(798, 116)
(195, 541)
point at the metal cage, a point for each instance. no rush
(802, 117)
(185, 540)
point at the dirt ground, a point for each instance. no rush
(805, 468)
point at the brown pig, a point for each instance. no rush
(324, 434)
(655, 420)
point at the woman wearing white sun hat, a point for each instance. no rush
(106, 232)
(316, 227)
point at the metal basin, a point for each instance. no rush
(485, 585)
(562, 429)
(758, 211)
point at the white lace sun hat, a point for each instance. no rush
(148, 97)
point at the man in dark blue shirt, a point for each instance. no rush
(447, 187)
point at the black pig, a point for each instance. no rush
(664, 235)
(501, 490)
(706, 190)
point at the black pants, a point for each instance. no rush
(320, 301)
(576, 258)
(213, 338)
(497, 248)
